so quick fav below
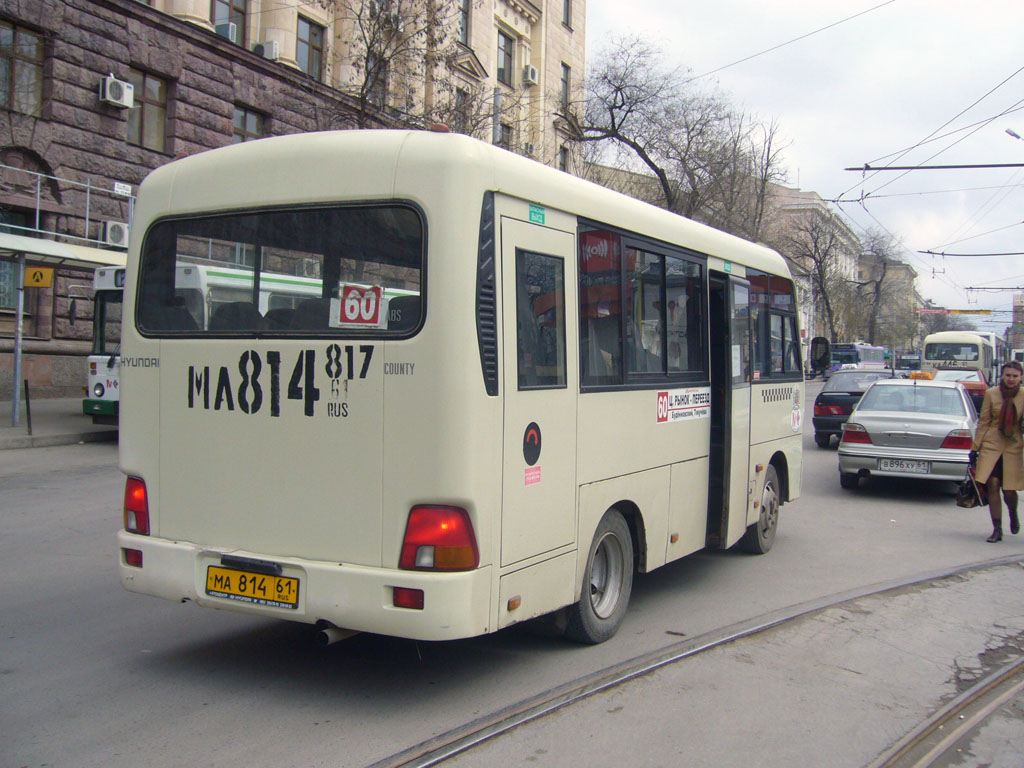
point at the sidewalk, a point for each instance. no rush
(54, 422)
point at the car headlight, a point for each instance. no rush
(98, 390)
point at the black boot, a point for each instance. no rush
(1014, 521)
(997, 535)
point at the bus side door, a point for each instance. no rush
(729, 483)
(540, 384)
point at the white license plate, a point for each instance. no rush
(905, 465)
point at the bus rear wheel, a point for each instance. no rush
(761, 535)
(607, 583)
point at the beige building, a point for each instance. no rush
(505, 71)
(821, 249)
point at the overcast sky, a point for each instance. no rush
(864, 90)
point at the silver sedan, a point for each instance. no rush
(908, 428)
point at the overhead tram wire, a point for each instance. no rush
(932, 134)
(790, 42)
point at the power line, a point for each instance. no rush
(932, 134)
(972, 255)
(790, 42)
(865, 168)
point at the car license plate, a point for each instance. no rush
(255, 588)
(905, 465)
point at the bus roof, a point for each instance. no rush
(955, 337)
(422, 167)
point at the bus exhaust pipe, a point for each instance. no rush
(330, 635)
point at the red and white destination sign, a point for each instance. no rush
(684, 404)
(358, 306)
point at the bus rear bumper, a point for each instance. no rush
(353, 597)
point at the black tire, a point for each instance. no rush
(823, 441)
(848, 480)
(607, 583)
(761, 535)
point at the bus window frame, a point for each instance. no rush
(642, 380)
(330, 333)
(761, 329)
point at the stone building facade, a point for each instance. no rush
(206, 73)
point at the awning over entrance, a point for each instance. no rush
(62, 254)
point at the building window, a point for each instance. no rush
(310, 49)
(12, 223)
(506, 55)
(505, 136)
(21, 69)
(147, 122)
(376, 80)
(225, 12)
(461, 108)
(567, 12)
(566, 86)
(563, 159)
(248, 125)
(464, 22)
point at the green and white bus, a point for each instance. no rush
(512, 390)
(104, 377)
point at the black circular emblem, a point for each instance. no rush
(531, 443)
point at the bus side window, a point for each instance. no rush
(603, 349)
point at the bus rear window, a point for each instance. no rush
(349, 270)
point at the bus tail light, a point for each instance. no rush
(136, 506)
(439, 539)
(959, 438)
(855, 433)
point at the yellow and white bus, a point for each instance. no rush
(960, 349)
(513, 390)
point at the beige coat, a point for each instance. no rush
(990, 443)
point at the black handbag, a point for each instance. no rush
(970, 494)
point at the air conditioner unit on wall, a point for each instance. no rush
(115, 233)
(116, 92)
(268, 49)
(530, 75)
(229, 30)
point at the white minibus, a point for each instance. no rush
(511, 391)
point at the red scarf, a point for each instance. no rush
(1008, 414)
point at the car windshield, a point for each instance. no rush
(916, 399)
(957, 376)
(852, 381)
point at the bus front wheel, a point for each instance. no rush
(761, 535)
(607, 583)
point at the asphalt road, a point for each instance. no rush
(95, 676)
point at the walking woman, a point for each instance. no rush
(999, 447)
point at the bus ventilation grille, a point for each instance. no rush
(486, 298)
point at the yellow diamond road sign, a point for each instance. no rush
(38, 277)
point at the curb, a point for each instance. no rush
(48, 441)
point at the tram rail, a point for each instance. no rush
(1002, 685)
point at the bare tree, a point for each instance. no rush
(710, 161)
(819, 245)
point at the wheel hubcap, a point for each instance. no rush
(769, 509)
(606, 576)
